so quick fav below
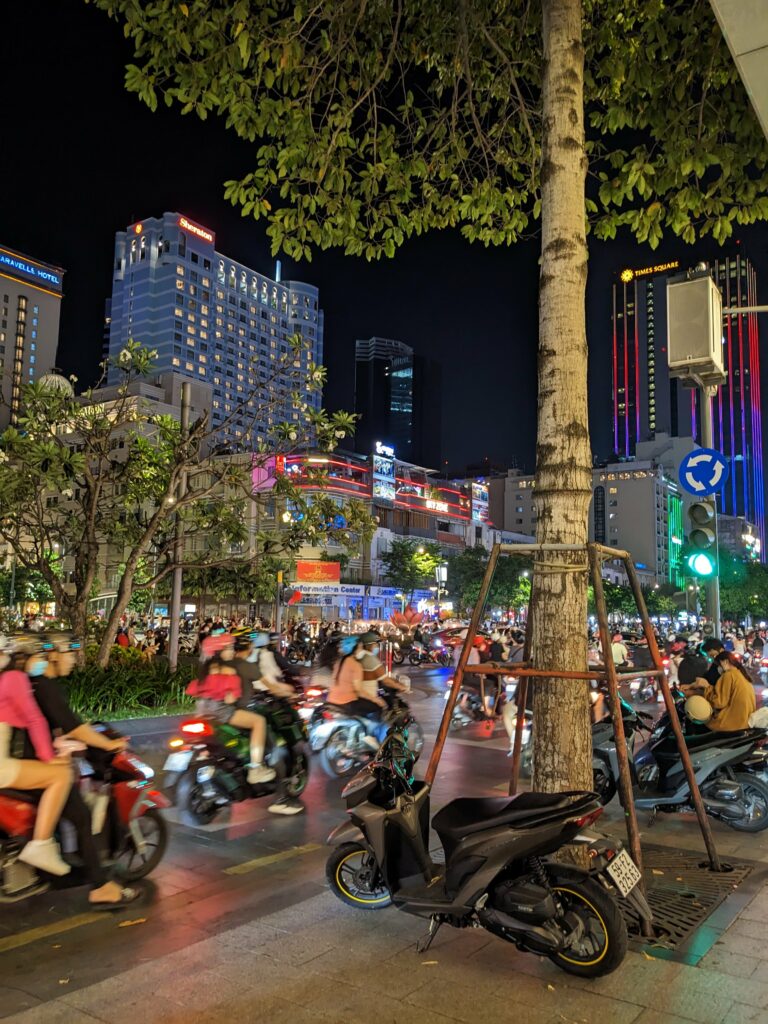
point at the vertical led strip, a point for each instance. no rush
(756, 412)
(637, 372)
(615, 379)
(626, 378)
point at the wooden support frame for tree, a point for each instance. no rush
(526, 673)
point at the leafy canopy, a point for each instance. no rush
(409, 564)
(375, 121)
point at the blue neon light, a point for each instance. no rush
(21, 266)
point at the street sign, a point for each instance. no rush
(703, 471)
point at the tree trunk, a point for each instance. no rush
(562, 737)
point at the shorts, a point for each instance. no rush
(217, 709)
(9, 766)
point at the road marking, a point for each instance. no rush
(272, 858)
(47, 931)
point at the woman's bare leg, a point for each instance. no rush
(56, 781)
(258, 727)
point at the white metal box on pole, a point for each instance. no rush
(695, 328)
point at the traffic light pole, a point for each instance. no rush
(707, 438)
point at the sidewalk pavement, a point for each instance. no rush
(320, 962)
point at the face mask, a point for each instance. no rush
(375, 649)
(360, 654)
(37, 667)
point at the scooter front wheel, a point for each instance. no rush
(594, 916)
(355, 878)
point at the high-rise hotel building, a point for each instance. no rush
(212, 319)
(30, 305)
(646, 401)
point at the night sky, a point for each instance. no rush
(81, 159)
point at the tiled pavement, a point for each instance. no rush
(272, 945)
(319, 961)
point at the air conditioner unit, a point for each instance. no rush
(695, 329)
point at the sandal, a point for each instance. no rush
(127, 896)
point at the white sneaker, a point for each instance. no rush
(286, 806)
(260, 773)
(45, 855)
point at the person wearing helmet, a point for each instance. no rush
(218, 692)
(732, 697)
(374, 673)
(51, 773)
(711, 649)
(348, 688)
(60, 650)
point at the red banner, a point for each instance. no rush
(318, 572)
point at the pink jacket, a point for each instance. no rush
(19, 709)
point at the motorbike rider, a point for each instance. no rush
(348, 688)
(374, 672)
(218, 692)
(732, 696)
(711, 650)
(59, 660)
(259, 670)
(52, 773)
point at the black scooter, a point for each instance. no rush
(495, 875)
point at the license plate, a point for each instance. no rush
(623, 873)
(178, 762)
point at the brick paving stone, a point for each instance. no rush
(735, 964)
(54, 1013)
(740, 1014)
(470, 1005)
(753, 930)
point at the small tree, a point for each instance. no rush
(88, 487)
(409, 565)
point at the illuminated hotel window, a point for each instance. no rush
(180, 285)
(175, 361)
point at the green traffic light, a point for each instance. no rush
(701, 564)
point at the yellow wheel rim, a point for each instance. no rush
(347, 893)
(593, 908)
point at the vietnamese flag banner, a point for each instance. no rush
(318, 572)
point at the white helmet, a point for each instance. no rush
(698, 709)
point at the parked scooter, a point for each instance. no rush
(127, 820)
(495, 874)
(727, 766)
(207, 769)
(339, 737)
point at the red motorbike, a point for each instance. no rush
(127, 821)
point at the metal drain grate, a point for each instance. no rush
(682, 892)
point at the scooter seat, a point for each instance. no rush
(25, 796)
(467, 815)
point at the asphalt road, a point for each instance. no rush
(242, 868)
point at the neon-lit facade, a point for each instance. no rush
(675, 538)
(646, 401)
(30, 305)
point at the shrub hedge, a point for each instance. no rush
(131, 687)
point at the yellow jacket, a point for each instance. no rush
(733, 698)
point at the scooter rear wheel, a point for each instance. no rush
(756, 794)
(603, 942)
(354, 877)
(132, 865)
